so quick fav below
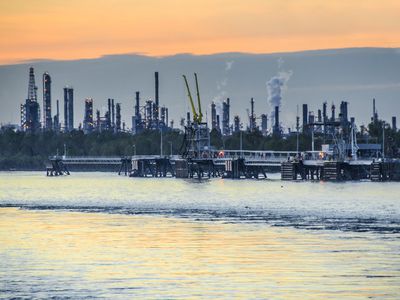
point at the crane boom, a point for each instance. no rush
(198, 98)
(195, 115)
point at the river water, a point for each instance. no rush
(99, 235)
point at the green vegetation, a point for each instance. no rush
(25, 151)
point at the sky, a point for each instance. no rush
(52, 29)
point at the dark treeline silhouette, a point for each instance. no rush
(26, 151)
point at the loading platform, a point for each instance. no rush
(233, 164)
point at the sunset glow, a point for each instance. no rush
(85, 29)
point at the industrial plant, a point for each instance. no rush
(151, 115)
(344, 150)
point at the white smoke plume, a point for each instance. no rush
(221, 88)
(275, 87)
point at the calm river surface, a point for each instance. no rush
(99, 235)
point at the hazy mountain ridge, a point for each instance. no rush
(353, 74)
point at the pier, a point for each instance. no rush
(330, 170)
(233, 164)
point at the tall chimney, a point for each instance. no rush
(157, 99)
(109, 114)
(58, 111)
(394, 125)
(188, 118)
(213, 116)
(373, 111)
(113, 113)
(276, 130)
(252, 118)
(137, 106)
(305, 116)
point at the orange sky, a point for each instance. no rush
(33, 29)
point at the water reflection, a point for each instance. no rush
(75, 254)
(101, 235)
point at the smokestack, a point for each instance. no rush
(137, 106)
(319, 116)
(113, 112)
(98, 119)
(118, 118)
(373, 111)
(108, 114)
(218, 127)
(157, 100)
(324, 115)
(311, 118)
(166, 116)
(343, 111)
(333, 113)
(213, 116)
(252, 118)
(225, 117)
(252, 107)
(236, 121)
(276, 130)
(264, 124)
(394, 125)
(188, 118)
(58, 110)
(305, 116)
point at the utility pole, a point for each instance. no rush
(383, 139)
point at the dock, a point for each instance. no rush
(232, 164)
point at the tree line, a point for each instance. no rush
(27, 151)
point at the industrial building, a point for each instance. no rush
(150, 115)
(110, 121)
(47, 118)
(226, 128)
(68, 108)
(88, 124)
(30, 110)
(56, 119)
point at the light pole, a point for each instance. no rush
(170, 144)
(241, 140)
(161, 143)
(65, 150)
(312, 138)
(297, 128)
